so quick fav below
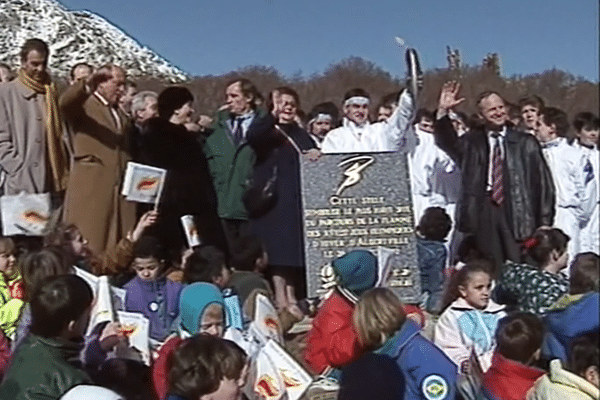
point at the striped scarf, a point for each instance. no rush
(54, 128)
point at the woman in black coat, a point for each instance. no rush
(188, 188)
(279, 143)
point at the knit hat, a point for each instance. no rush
(356, 272)
(194, 299)
(171, 99)
(89, 392)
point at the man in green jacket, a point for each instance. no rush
(40, 367)
(231, 159)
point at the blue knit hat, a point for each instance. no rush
(193, 301)
(356, 272)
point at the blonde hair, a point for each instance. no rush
(378, 314)
(7, 245)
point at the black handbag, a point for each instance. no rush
(261, 198)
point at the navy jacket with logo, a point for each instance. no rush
(428, 373)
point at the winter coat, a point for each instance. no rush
(188, 189)
(332, 340)
(428, 373)
(23, 153)
(159, 302)
(534, 290)
(230, 166)
(5, 354)
(529, 189)
(40, 369)
(281, 228)
(11, 303)
(160, 368)
(571, 317)
(462, 327)
(560, 384)
(508, 379)
(93, 199)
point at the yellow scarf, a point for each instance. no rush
(57, 155)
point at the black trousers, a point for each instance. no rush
(494, 237)
(234, 230)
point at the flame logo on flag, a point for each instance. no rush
(127, 330)
(288, 380)
(271, 323)
(265, 386)
(35, 217)
(147, 183)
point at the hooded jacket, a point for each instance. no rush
(572, 316)
(332, 340)
(560, 384)
(194, 299)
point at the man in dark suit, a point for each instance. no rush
(507, 188)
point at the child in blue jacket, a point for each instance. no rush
(577, 313)
(432, 230)
(382, 326)
(150, 292)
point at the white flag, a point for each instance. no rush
(136, 327)
(25, 214)
(143, 183)
(266, 324)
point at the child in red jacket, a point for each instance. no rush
(332, 342)
(519, 339)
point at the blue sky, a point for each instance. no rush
(215, 37)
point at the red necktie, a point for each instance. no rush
(497, 174)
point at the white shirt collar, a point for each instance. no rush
(102, 99)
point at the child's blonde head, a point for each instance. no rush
(378, 314)
(7, 245)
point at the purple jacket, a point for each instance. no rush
(158, 300)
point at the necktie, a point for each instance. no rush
(588, 171)
(238, 133)
(497, 173)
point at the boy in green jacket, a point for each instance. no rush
(41, 365)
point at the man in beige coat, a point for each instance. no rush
(93, 201)
(32, 156)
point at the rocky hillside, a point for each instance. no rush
(76, 36)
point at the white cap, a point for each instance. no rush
(89, 392)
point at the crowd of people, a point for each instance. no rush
(506, 201)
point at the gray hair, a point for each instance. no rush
(139, 100)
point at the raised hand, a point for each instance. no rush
(110, 336)
(146, 220)
(449, 97)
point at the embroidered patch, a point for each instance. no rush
(434, 387)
